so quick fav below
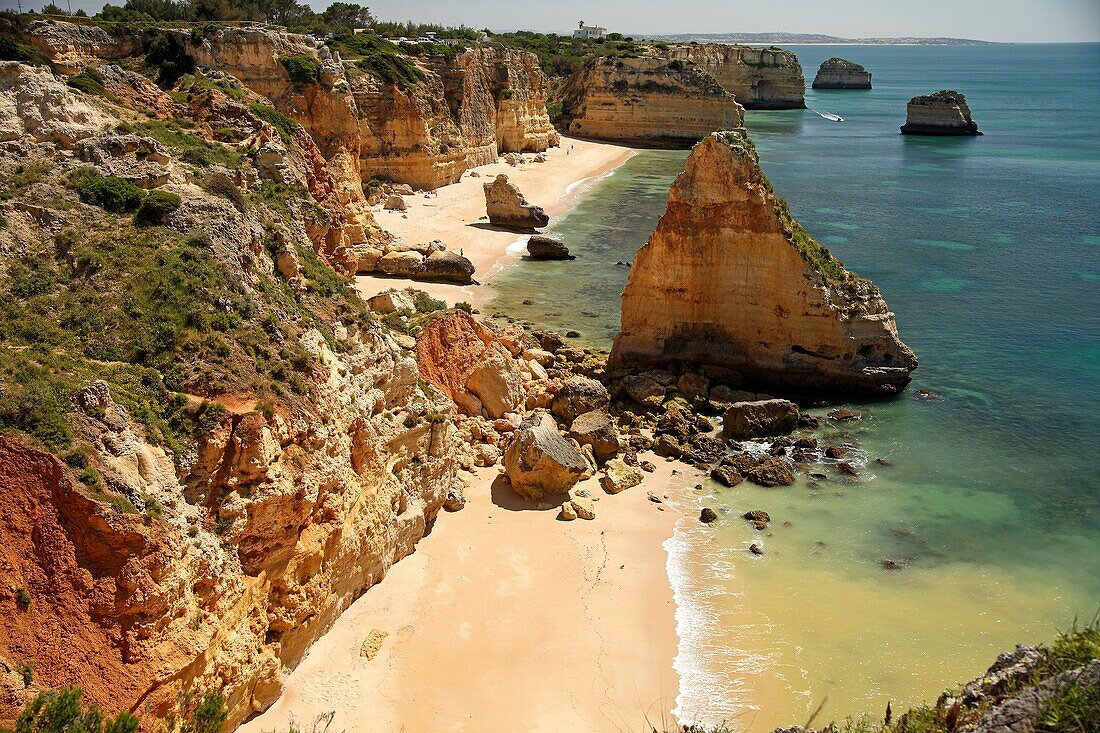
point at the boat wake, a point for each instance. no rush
(828, 115)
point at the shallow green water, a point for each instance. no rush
(986, 248)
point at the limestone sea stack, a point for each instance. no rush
(942, 113)
(838, 73)
(729, 279)
(507, 208)
(760, 78)
(652, 101)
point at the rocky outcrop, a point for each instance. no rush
(838, 73)
(507, 208)
(759, 419)
(942, 113)
(730, 280)
(540, 462)
(759, 78)
(540, 247)
(37, 106)
(651, 101)
(471, 364)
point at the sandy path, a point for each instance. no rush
(454, 215)
(505, 619)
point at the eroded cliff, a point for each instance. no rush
(730, 279)
(246, 450)
(759, 78)
(647, 100)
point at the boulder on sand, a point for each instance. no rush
(620, 476)
(540, 462)
(507, 208)
(540, 247)
(447, 266)
(759, 419)
(579, 395)
(595, 428)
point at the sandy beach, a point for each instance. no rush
(506, 619)
(454, 215)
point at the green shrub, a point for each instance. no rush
(122, 505)
(89, 477)
(210, 414)
(13, 50)
(205, 714)
(88, 81)
(26, 671)
(427, 304)
(24, 176)
(380, 58)
(190, 148)
(36, 402)
(63, 712)
(282, 124)
(110, 193)
(23, 598)
(464, 306)
(167, 55)
(301, 69)
(155, 208)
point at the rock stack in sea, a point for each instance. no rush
(729, 279)
(760, 78)
(652, 101)
(507, 208)
(838, 73)
(942, 113)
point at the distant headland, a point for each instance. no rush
(814, 39)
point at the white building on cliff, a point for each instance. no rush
(589, 31)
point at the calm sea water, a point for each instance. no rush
(987, 249)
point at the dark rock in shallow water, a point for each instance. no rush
(756, 549)
(771, 471)
(943, 113)
(707, 515)
(759, 419)
(540, 247)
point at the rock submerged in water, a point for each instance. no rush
(507, 208)
(729, 279)
(838, 73)
(943, 113)
(540, 247)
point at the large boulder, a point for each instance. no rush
(540, 247)
(759, 419)
(447, 266)
(771, 471)
(507, 207)
(644, 390)
(620, 476)
(579, 395)
(392, 301)
(403, 264)
(595, 428)
(540, 462)
(498, 383)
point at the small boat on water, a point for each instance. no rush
(830, 116)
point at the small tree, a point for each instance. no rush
(63, 712)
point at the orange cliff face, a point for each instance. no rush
(729, 279)
(760, 78)
(647, 100)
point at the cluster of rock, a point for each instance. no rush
(943, 113)
(730, 280)
(653, 101)
(1015, 695)
(759, 78)
(508, 209)
(427, 261)
(838, 73)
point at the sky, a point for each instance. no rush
(993, 20)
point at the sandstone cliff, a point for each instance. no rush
(647, 100)
(760, 78)
(942, 113)
(455, 112)
(837, 73)
(246, 449)
(729, 279)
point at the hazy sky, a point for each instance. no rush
(994, 20)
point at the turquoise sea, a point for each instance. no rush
(988, 250)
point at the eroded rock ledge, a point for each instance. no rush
(730, 279)
(838, 73)
(942, 113)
